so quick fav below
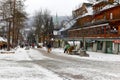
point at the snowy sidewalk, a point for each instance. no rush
(22, 54)
(93, 55)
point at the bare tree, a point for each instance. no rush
(19, 16)
(43, 24)
(12, 11)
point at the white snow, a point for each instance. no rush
(97, 56)
(77, 43)
(96, 2)
(68, 25)
(108, 6)
(89, 12)
(91, 73)
(3, 39)
(12, 69)
(22, 54)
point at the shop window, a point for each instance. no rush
(89, 45)
(109, 46)
(114, 30)
(119, 47)
(99, 45)
(113, 46)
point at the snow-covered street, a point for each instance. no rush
(59, 39)
(37, 64)
(20, 66)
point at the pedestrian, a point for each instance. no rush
(33, 45)
(67, 46)
(48, 47)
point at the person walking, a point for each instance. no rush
(49, 48)
(67, 46)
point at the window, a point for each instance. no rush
(118, 1)
(111, 16)
(99, 45)
(119, 47)
(113, 47)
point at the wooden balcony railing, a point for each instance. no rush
(93, 34)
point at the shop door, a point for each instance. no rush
(109, 47)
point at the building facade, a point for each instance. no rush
(101, 29)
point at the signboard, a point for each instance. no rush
(116, 41)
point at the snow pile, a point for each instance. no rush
(22, 54)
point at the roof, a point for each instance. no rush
(68, 25)
(98, 1)
(3, 39)
(109, 6)
(89, 10)
(86, 4)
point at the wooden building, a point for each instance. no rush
(101, 30)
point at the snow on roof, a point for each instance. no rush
(108, 6)
(96, 2)
(81, 4)
(68, 25)
(89, 12)
(3, 39)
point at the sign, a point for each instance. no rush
(116, 41)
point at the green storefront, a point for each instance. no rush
(99, 45)
(109, 45)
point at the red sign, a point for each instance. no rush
(116, 41)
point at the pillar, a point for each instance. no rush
(95, 47)
(104, 47)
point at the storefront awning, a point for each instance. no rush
(116, 41)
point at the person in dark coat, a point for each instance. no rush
(48, 48)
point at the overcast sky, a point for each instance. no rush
(61, 7)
